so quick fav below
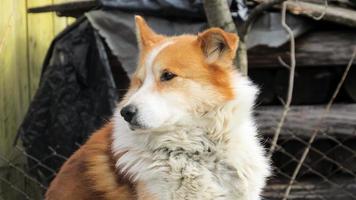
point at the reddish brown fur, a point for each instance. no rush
(90, 173)
(190, 64)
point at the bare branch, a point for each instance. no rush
(338, 15)
(241, 58)
(326, 5)
(291, 81)
(255, 13)
(284, 64)
(218, 14)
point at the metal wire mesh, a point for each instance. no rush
(328, 172)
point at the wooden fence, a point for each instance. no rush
(24, 40)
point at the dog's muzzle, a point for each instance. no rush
(130, 113)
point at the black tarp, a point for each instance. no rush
(76, 94)
(188, 9)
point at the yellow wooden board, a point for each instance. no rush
(14, 93)
(59, 23)
(40, 34)
(14, 96)
(24, 41)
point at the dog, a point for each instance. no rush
(184, 130)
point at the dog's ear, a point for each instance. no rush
(217, 44)
(145, 35)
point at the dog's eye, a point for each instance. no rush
(166, 76)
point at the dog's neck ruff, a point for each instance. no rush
(211, 158)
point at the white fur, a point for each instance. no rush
(214, 156)
(153, 109)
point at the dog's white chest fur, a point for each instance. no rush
(184, 164)
(190, 168)
(197, 177)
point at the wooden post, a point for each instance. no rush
(219, 15)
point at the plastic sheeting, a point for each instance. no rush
(118, 30)
(188, 9)
(76, 95)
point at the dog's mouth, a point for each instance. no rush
(140, 127)
(134, 124)
(137, 127)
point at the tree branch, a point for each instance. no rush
(255, 13)
(338, 15)
(218, 14)
(291, 81)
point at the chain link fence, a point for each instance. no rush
(327, 172)
(312, 148)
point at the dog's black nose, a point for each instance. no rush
(128, 112)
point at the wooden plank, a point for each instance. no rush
(59, 23)
(21, 62)
(4, 23)
(41, 32)
(15, 88)
(13, 74)
(14, 97)
(6, 59)
(318, 48)
(314, 189)
(302, 120)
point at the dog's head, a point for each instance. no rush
(178, 78)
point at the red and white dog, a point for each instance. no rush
(185, 129)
